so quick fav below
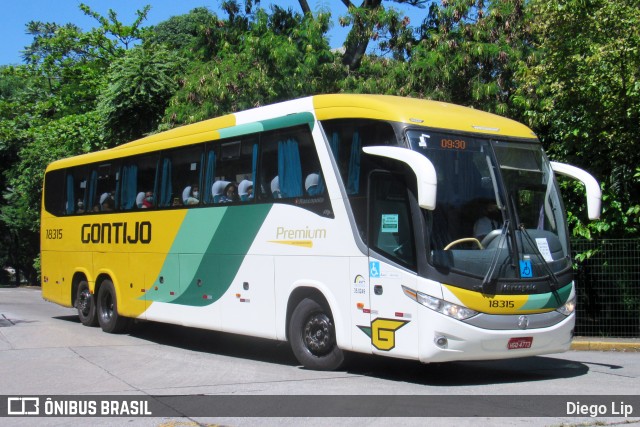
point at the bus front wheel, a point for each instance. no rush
(107, 305)
(313, 337)
(85, 303)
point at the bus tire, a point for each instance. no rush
(312, 336)
(107, 307)
(86, 305)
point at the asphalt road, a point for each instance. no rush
(44, 350)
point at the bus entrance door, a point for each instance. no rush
(393, 326)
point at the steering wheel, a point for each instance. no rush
(464, 240)
(486, 241)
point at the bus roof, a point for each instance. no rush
(433, 114)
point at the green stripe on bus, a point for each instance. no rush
(211, 246)
(290, 120)
(548, 300)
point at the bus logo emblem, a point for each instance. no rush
(383, 332)
(523, 322)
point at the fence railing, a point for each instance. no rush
(608, 287)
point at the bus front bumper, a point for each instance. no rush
(450, 340)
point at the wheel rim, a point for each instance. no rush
(84, 302)
(317, 335)
(107, 307)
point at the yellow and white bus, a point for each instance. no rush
(365, 223)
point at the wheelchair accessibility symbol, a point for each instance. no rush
(525, 268)
(374, 269)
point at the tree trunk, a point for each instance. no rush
(358, 38)
(304, 6)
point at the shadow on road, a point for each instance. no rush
(522, 370)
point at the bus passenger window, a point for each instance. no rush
(106, 182)
(145, 181)
(181, 175)
(289, 164)
(54, 184)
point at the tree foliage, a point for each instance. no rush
(582, 94)
(270, 58)
(138, 87)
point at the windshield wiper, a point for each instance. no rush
(536, 251)
(496, 255)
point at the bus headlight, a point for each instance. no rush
(568, 307)
(436, 304)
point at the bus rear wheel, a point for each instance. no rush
(85, 303)
(313, 337)
(107, 305)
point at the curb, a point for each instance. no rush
(622, 345)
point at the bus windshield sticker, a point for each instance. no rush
(543, 247)
(389, 223)
(525, 268)
(423, 140)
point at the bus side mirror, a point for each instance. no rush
(421, 166)
(594, 195)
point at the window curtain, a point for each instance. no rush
(209, 177)
(71, 198)
(289, 169)
(335, 146)
(90, 196)
(128, 187)
(165, 187)
(353, 181)
(254, 169)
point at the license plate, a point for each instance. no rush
(520, 342)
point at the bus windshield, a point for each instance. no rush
(498, 211)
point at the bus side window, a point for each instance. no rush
(54, 200)
(182, 175)
(79, 189)
(289, 165)
(230, 170)
(146, 177)
(346, 138)
(106, 184)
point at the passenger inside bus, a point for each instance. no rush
(147, 202)
(230, 193)
(488, 218)
(190, 195)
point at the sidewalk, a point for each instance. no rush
(605, 344)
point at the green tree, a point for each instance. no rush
(73, 62)
(21, 213)
(255, 60)
(139, 86)
(47, 111)
(192, 34)
(581, 93)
